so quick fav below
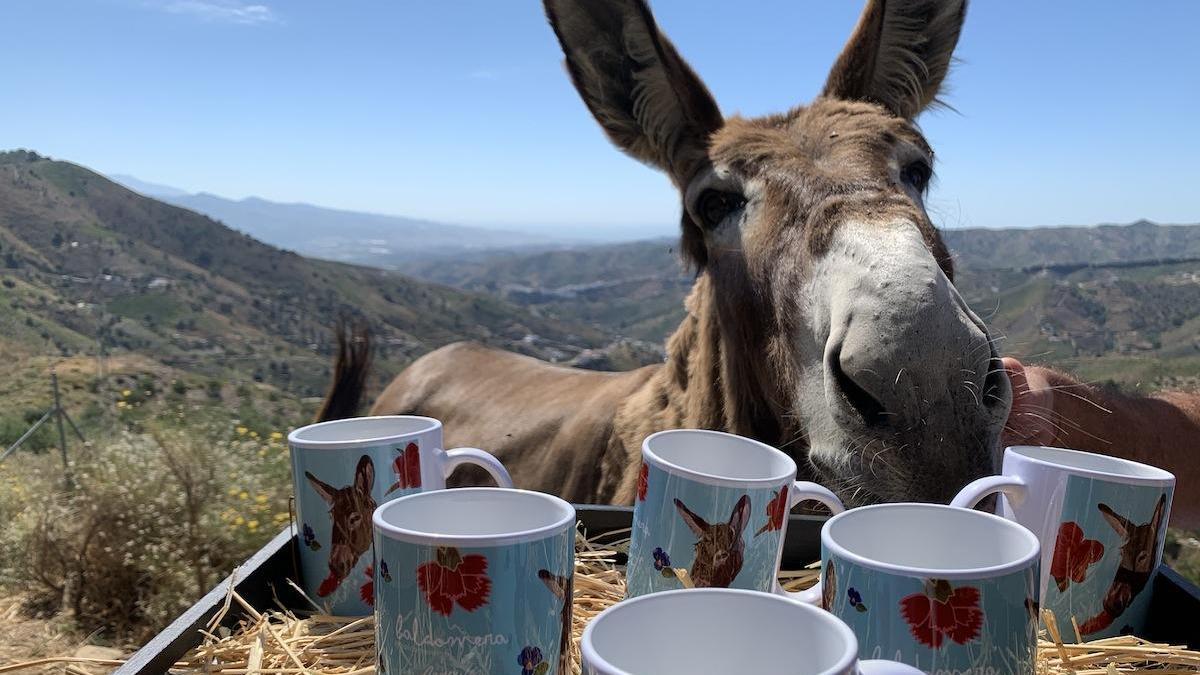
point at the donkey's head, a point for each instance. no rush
(841, 328)
(1139, 544)
(350, 510)
(720, 550)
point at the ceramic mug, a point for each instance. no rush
(943, 589)
(722, 630)
(716, 505)
(1102, 522)
(341, 471)
(474, 580)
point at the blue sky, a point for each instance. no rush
(1069, 112)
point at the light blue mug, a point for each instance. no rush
(474, 580)
(341, 471)
(1102, 522)
(713, 504)
(943, 589)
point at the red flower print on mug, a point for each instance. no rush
(454, 578)
(643, 483)
(367, 591)
(777, 510)
(407, 466)
(942, 611)
(1073, 555)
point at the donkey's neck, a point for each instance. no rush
(717, 366)
(716, 377)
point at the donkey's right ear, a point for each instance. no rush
(695, 523)
(323, 489)
(648, 100)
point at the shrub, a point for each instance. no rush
(155, 520)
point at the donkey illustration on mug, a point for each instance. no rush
(1140, 543)
(563, 588)
(720, 550)
(350, 510)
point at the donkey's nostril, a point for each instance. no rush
(854, 395)
(994, 383)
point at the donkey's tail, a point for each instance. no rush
(350, 368)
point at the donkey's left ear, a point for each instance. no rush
(364, 474)
(899, 54)
(645, 96)
(1118, 522)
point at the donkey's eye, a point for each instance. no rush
(714, 205)
(917, 174)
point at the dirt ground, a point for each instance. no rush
(25, 639)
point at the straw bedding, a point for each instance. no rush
(278, 641)
(281, 642)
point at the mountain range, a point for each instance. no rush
(371, 239)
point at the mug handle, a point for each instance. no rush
(807, 491)
(881, 667)
(459, 456)
(1013, 487)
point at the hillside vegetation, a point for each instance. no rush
(91, 267)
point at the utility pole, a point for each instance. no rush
(60, 415)
(62, 433)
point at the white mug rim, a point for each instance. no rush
(412, 536)
(848, 659)
(657, 461)
(1163, 479)
(1025, 561)
(296, 441)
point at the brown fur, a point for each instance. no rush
(739, 359)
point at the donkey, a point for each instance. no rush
(350, 509)
(1138, 548)
(720, 550)
(563, 589)
(823, 320)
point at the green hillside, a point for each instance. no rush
(90, 267)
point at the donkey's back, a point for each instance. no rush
(551, 425)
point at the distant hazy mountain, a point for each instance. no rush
(147, 188)
(348, 236)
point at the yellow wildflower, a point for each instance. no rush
(253, 434)
(126, 393)
(261, 499)
(252, 525)
(276, 436)
(241, 431)
(233, 491)
(239, 521)
(122, 404)
(243, 495)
